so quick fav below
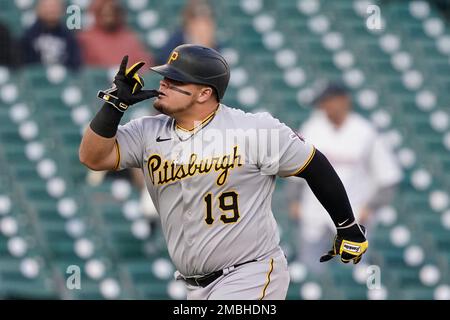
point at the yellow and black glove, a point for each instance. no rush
(127, 87)
(350, 243)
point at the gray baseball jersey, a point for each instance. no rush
(213, 186)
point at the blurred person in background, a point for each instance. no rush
(9, 51)
(109, 39)
(444, 6)
(198, 27)
(146, 204)
(366, 166)
(48, 41)
(136, 178)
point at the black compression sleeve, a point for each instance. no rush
(106, 121)
(328, 189)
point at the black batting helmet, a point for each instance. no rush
(197, 64)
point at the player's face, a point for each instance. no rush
(336, 108)
(176, 98)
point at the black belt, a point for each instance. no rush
(210, 277)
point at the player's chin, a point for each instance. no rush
(158, 105)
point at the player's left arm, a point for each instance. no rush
(294, 156)
(350, 242)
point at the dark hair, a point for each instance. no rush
(333, 89)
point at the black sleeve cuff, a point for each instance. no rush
(106, 121)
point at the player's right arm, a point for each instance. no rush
(97, 152)
(99, 149)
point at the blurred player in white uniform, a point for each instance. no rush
(366, 166)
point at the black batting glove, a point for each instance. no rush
(127, 87)
(350, 243)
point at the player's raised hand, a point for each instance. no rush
(131, 74)
(129, 84)
(350, 243)
(127, 87)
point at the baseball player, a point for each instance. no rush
(210, 170)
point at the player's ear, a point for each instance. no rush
(204, 94)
